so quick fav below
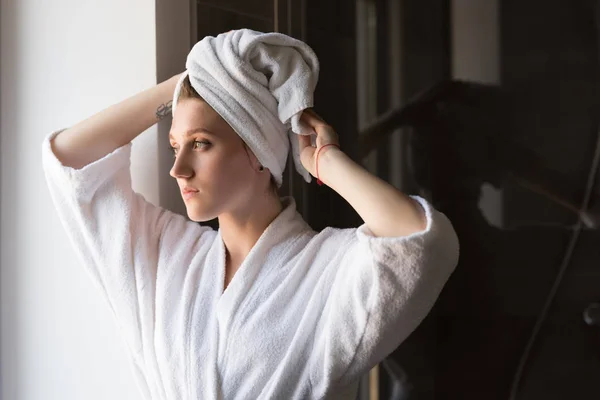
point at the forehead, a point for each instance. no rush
(192, 111)
(195, 116)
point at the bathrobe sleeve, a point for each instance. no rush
(118, 236)
(383, 287)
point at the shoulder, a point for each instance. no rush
(331, 241)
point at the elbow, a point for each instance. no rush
(451, 245)
(444, 250)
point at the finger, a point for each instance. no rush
(311, 119)
(314, 113)
(304, 141)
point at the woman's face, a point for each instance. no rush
(211, 158)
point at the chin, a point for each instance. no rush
(197, 215)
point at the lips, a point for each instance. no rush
(188, 192)
(188, 195)
(189, 189)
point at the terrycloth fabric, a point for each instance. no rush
(306, 315)
(259, 83)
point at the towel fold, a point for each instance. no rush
(259, 83)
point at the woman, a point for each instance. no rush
(265, 307)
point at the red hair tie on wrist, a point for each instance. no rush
(319, 182)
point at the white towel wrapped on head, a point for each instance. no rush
(259, 83)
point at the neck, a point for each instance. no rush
(241, 228)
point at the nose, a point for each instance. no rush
(181, 168)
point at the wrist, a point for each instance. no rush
(171, 83)
(164, 97)
(327, 159)
(176, 77)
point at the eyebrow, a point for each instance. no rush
(193, 131)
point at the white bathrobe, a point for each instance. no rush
(305, 316)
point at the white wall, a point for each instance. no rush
(62, 60)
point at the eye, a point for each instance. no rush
(200, 142)
(195, 145)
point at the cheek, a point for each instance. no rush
(233, 169)
(239, 170)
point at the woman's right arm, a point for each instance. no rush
(106, 131)
(136, 252)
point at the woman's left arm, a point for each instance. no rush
(386, 211)
(384, 277)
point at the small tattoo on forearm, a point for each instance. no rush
(164, 110)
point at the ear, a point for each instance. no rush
(253, 159)
(255, 163)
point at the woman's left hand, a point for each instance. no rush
(325, 135)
